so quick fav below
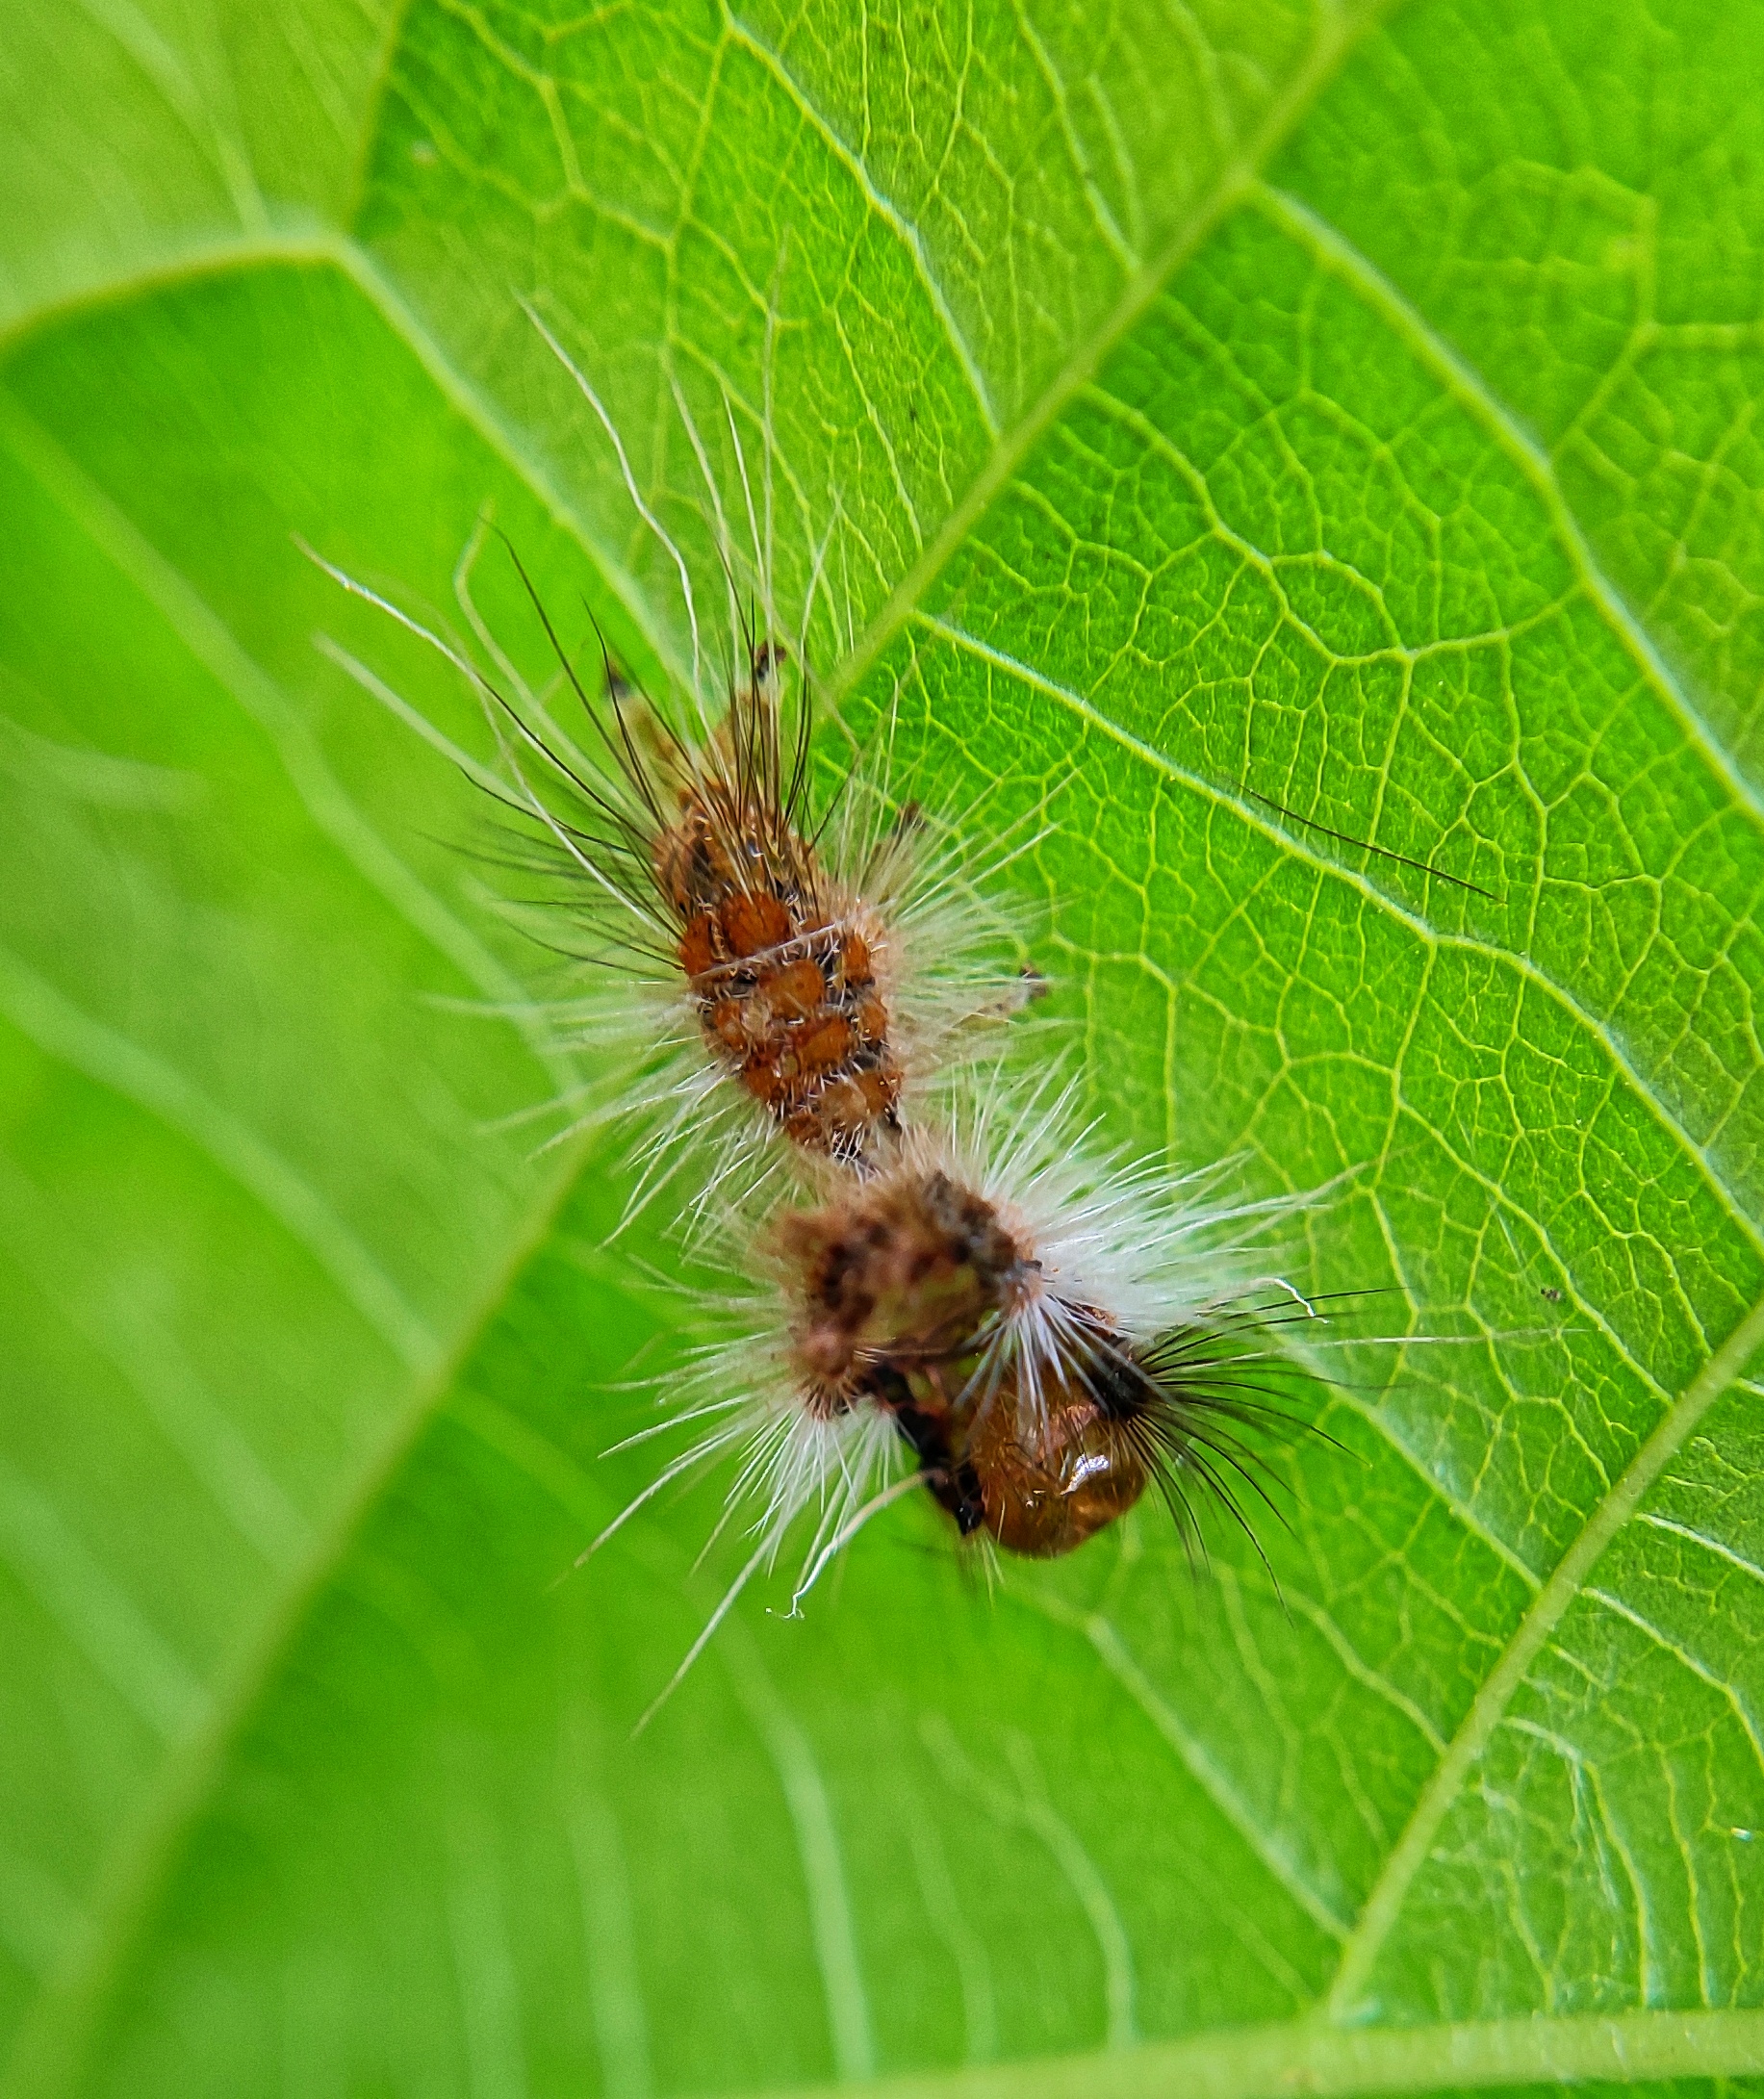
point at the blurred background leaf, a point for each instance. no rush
(1349, 406)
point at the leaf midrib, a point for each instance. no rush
(1328, 2062)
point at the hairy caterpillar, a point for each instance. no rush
(959, 1301)
(1030, 1331)
(757, 957)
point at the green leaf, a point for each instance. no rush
(1211, 408)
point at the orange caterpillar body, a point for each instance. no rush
(808, 967)
(1039, 1400)
(783, 961)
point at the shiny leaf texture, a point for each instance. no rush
(1244, 427)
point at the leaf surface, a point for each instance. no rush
(1252, 428)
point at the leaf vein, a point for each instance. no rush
(817, 1841)
(1521, 965)
(1724, 1689)
(1334, 252)
(124, 1067)
(884, 207)
(1245, 1820)
(1534, 1629)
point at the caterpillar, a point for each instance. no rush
(1029, 1330)
(946, 1289)
(758, 953)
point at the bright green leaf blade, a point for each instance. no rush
(139, 135)
(1593, 252)
(1200, 487)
